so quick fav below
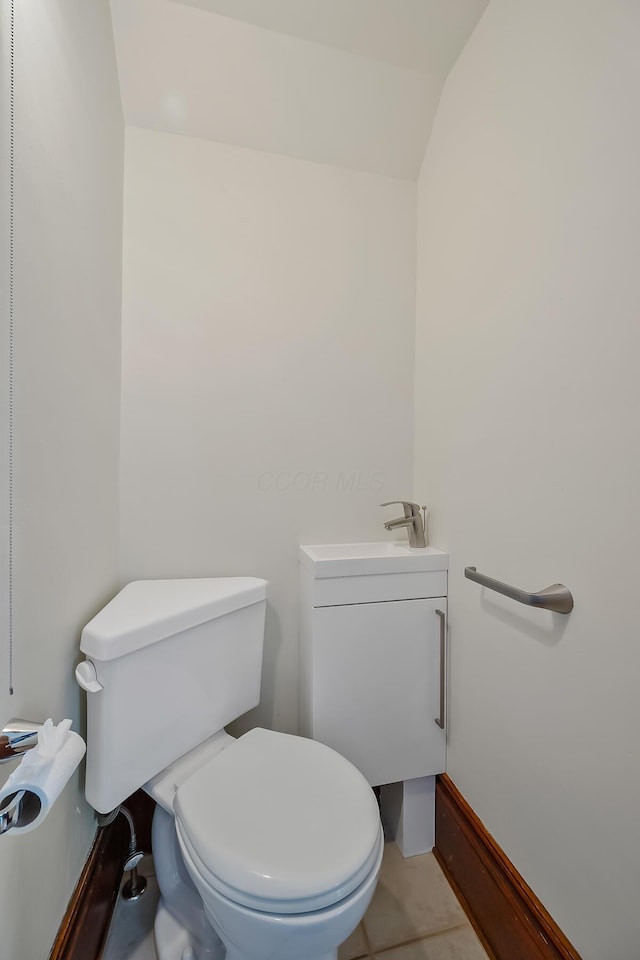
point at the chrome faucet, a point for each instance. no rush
(412, 520)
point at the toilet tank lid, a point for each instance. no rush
(146, 611)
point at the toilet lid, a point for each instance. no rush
(279, 823)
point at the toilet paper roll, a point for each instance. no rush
(42, 777)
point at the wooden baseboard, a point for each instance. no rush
(85, 924)
(506, 914)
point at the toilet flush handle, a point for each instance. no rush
(87, 677)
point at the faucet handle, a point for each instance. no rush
(410, 509)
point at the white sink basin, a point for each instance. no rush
(361, 559)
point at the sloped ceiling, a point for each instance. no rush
(350, 82)
(425, 35)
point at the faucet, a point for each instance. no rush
(412, 520)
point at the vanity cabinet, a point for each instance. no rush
(371, 656)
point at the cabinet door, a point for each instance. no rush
(376, 686)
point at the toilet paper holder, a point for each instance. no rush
(17, 737)
(20, 810)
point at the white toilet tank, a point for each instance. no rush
(168, 664)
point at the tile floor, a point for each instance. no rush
(414, 915)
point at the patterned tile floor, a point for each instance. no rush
(414, 915)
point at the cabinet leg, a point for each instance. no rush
(408, 810)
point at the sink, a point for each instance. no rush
(361, 559)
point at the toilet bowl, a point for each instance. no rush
(267, 847)
(252, 935)
(280, 837)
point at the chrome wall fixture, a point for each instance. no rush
(136, 885)
(556, 597)
(17, 737)
(11, 813)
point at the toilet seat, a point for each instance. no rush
(279, 824)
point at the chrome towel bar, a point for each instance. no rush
(556, 597)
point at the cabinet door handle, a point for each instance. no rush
(443, 668)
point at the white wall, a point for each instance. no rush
(188, 71)
(268, 317)
(527, 399)
(428, 35)
(69, 141)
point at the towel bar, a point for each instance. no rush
(556, 597)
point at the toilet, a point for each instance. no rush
(265, 846)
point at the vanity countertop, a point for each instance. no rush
(362, 559)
